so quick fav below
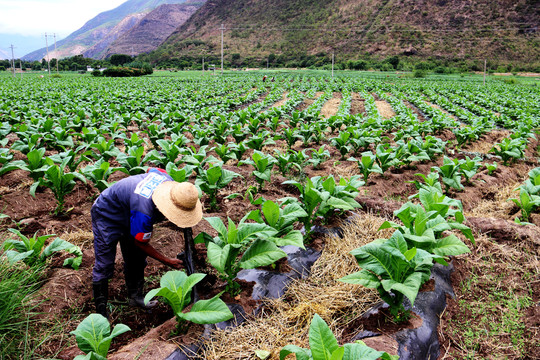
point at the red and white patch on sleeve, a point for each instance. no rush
(143, 237)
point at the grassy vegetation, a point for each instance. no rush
(493, 304)
(17, 310)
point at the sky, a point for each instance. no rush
(23, 23)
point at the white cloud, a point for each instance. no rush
(35, 17)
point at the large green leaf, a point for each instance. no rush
(294, 238)
(261, 253)
(409, 287)
(363, 277)
(208, 312)
(300, 353)
(359, 350)
(271, 213)
(322, 341)
(450, 246)
(94, 334)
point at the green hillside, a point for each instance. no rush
(306, 32)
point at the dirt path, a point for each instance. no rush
(331, 107)
(435, 106)
(282, 101)
(357, 104)
(385, 109)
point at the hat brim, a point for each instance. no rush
(180, 217)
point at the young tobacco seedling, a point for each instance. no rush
(450, 174)
(133, 161)
(527, 203)
(263, 165)
(509, 149)
(323, 345)
(175, 288)
(469, 167)
(281, 219)
(342, 143)
(386, 157)
(532, 184)
(30, 249)
(211, 180)
(99, 172)
(367, 165)
(318, 157)
(491, 168)
(61, 183)
(179, 175)
(94, 337)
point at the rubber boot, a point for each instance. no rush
(100, 291)
(136, 296)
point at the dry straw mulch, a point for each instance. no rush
(286, 320)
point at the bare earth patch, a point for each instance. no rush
(282, 101)
(331, 107)
(385, 109)
(357, 104)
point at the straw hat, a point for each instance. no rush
(179, 202)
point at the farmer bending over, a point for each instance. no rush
(125, 213)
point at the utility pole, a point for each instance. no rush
(48, 58)
(222, 28)
(203, 65)
(332, 65)
(55, 53)
(12, 60)
(267, 62)
(485, 62)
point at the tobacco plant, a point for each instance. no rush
(367, 165)
(211, 180)
(176, 287)
(509, 149)
(98, 173)
(245, 246)
(30, 249)
(60, 182)
(323, 345)
(469, 167)
(450, 173)
(282, 219)
(263, 164)
(395, 269)
(527, 203)
(133, 161)
(94, 337)
(318, 157)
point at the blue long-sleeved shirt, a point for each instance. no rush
(128, 204)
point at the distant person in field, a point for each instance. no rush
(125, 213)
(264, 78)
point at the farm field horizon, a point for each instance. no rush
(445, 166)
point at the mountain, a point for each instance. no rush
(4, 55)
(500, 30)
(102, 30)
(151, 30)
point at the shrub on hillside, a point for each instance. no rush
(126, 72)
(418, 73)
(96, 73)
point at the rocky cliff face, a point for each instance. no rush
(98, 33)
(148, 33)
(107, 37)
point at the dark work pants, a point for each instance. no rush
(106, 237)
